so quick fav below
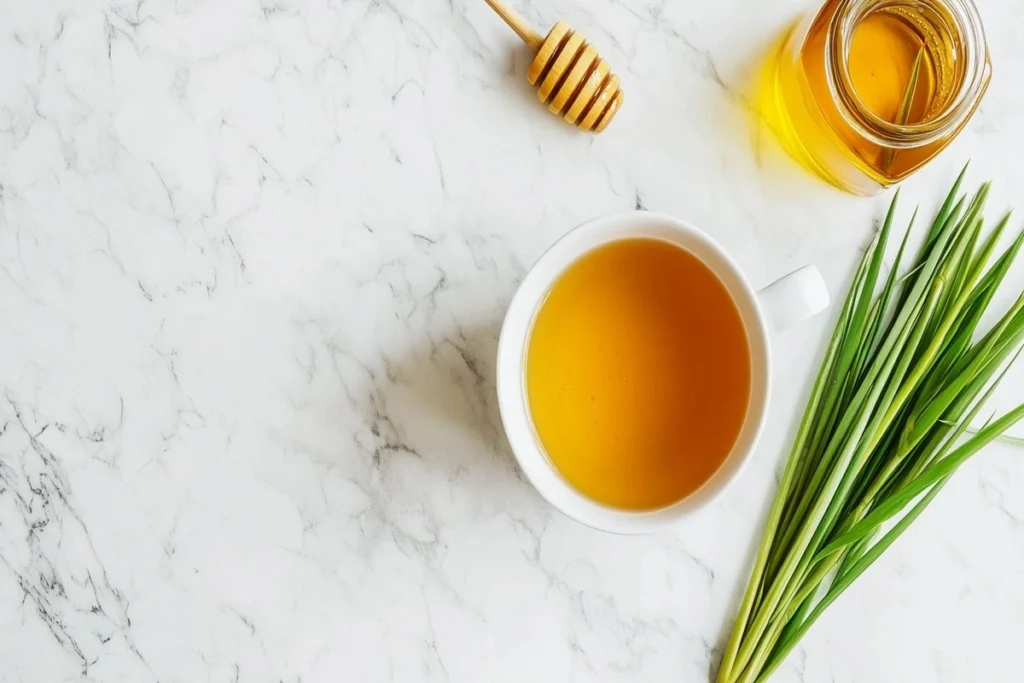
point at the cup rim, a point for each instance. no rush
(511, 390)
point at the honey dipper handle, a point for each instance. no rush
(517, 24)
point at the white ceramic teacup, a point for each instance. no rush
(788, 301)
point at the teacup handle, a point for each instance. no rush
(794, 298)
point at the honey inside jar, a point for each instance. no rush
(866, 91)
(882, 57)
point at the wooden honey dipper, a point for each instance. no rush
(571, 78)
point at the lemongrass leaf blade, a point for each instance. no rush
(932, 474)
(860, 530)
(888, 423)
(903, 114)
(1014, 440)
(881, 305)
(847, 579)
(752, 591)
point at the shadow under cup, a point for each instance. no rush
(515, 338)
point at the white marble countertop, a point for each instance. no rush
(254, 256)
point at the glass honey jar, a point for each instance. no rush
(864, 92)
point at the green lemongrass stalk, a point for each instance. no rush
(844, 582)
(891, 465)
(855, 566)
(823, 570)
(841, 480)
(919, 425)
(817, 425)
(839, 436)
(859, 420)
(948, 438)
(871, 472)
(980, 301)
(1014, 440)
(857, 309)
(774, 516)
(864, 404)
(932, 474)
(946, 432)
(886, 426)
(903, 114)
(845, 579)
(949, 213)
(881, 306)
(941, 438)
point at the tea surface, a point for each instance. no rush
(638, 374)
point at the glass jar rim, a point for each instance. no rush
(966, 22)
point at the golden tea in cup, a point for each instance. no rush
(638, 374)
